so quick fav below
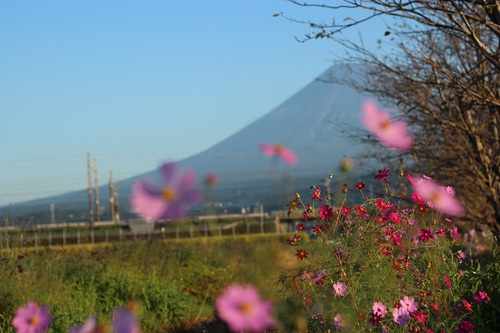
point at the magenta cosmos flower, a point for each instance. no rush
(287, 155)
(243, 310)
(439, 198)
(171, 200)
(392, 134)
(325, 212)
(32, 319)
(465, 327)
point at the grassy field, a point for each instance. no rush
(174, 283)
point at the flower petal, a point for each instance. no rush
(372, 116)
(289, 156)
(267, 149)
(167, 171)
(147, 202)
(439, 198)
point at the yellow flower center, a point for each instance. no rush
(278, 149)
(169, 194)
(33, 321)
(246, 308)
(435, 197)
(385, 125)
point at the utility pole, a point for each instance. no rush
(96, 186)
(117, 208)
(52, 213)
(91, 204)
(112, 198)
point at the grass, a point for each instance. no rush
(174, 282)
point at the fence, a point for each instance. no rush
(205, 229)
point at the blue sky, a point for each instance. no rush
(137, 83)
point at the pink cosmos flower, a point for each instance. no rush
(383, 205)
(345, 210)
(89, 326)
(392, 134)
(435, 307)
(340, 288)
(441, 232)
(395, 217)
(339, 323)
(316, 194)
(467, 306)
(401, 316)
(396, 238)
(417, 198)
(318, 277)
(420, 316)
(455, 234)
(410, 179)
(408, 304)
(481, 296)
(439, 198)
(385, 250)
(362, 213)
(32, 319)
(447, 282)
(125, 321)
(379, 309)
(171, 200)
(287, 155)
(243, 310)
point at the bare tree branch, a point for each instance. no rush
(443, 77)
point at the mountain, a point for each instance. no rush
(311, 123)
